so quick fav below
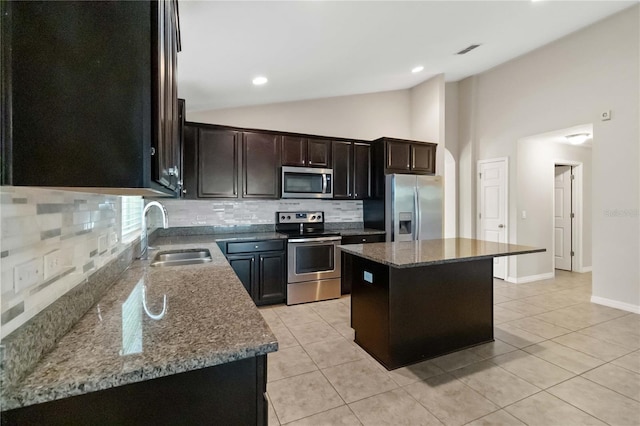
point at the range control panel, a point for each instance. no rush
(300, 217)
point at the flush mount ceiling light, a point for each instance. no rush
(578, 138)
(417, 69)
(259, 81)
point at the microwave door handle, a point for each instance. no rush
(324, 183)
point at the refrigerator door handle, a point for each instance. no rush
(418, 219)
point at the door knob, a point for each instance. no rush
(501, 226)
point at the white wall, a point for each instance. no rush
(427, 114)
(566, 83)
(368, 116)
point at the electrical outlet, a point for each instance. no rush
(27, 274)
(102, 243)
(52, 264)
(113, 239)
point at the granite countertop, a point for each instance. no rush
(213, 238)
(210, 319)
(411, 254)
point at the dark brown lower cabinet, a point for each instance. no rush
(225, 394)
(261, 266)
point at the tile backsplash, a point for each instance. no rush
(51, 241)
(224, 213)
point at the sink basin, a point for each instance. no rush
(181, 257)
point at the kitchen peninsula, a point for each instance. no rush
(420, 299)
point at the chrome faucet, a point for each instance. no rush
(144, 238)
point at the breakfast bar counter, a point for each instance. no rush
(421, 299)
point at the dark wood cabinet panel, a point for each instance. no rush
(272, 275)
(261, 159)
(398, 156)
(76, 122)
(342, 169)
(294, 151)
(318, 153)
(346, 279)
(361, 171)
(243, 266)
(423, 158)
(217, 153)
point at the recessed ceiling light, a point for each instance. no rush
(417, 69)
(259, 81)
(578, 138)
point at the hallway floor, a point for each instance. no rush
(557, 359)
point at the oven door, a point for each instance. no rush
(313, 259)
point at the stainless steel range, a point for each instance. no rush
(313, 259)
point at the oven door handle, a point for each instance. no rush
(314, 240)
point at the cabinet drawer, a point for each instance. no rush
(363, 239)
(255, 246)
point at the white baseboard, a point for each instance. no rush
(530, 278)
(616, 304)
(585, 269)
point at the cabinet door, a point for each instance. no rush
(294, 151)
(244, 267)
(271, 278)
(260, 162)
(362, 171)
(318, 153)
(342, 164)
(217, 163)
(398, 154)
(423, 158)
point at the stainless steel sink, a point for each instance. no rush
(181, 257)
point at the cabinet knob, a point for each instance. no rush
(256, 246)
(153, 151)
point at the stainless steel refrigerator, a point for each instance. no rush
(413, 207)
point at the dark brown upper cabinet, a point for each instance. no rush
(306, 152)
(223, 162)
(260, 163)
(351, 170)
(405, 156)
(89, 95)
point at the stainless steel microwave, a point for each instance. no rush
(307, 182)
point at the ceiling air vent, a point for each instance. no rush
(467, 49)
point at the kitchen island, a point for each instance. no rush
(165, 345)
(421, 299)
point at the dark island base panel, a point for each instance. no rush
(225, 394)
(426, 311)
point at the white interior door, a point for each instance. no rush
(562, 218)
(492, 207)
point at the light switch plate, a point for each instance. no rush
(52, 264)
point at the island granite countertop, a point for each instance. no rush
(209, 320)
(411, 254)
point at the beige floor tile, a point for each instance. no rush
(273, 418)
(333, 311)
(491, 349)
(284, 337)
(345, 330)
(630, 361)
(616, 378)
(598, 401)
(456, 360)
(515, 336)
(288, 362)
(341, 416)
(302, 396)
(358, 380)
(562, 356)
(413, 373)
(311, 332)
(534, 370)
(551, 301)
(543, 409)
(498, 418)
(570, 320)
(394, 408)
(592, 346)
(297, 314)
(615, 331)
(333, 352)
(501, 315)
(495, 383)
(500, 299)
(450, 400)
(527, 309)
(539, 327)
